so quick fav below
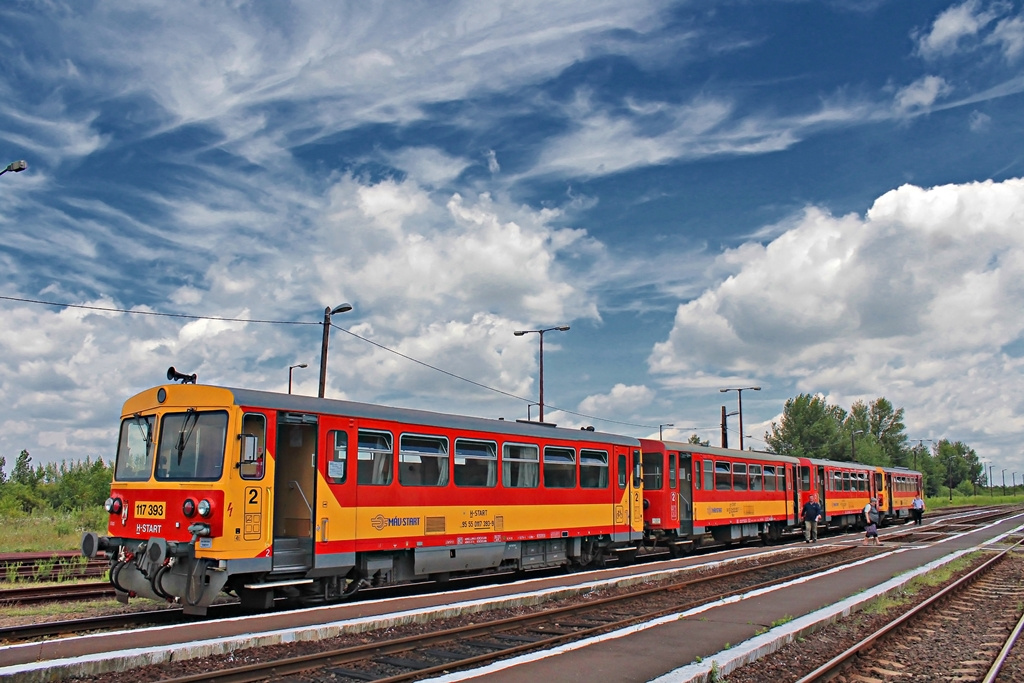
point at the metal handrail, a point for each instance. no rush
(295, 485)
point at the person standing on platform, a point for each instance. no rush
(917, 509)
(811, 514)
(871, 519)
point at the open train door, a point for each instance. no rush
(294, 492)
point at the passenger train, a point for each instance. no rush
(266, 495)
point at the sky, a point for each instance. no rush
(810, 197)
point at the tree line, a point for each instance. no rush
(65, 487)
(873, 434)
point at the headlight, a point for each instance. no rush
(204, 508)
(113, 506)
(188, 508)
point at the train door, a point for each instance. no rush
(685, 494)
(821, 490)
(295, 492)
(794, 495)
(634, 493)
(334, 506)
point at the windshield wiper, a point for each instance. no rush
(143, 424)
(191, 418)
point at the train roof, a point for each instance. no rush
(185, 394)
(696, 448)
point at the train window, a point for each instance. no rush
(593, 469)
(696, 474)
(192, 446)
(622, 471)
(805, 479)
(671, 471)
(653, 463)
(723, 476)
(755, 478)
(638, 473)
(862, 480)
(769, 477)
(254, 450)
(739, 476)
(423, 460)
(336, 465)
(374, 458)
(559, 467)
(709, 476)
(520, 467)
(781, 474)
(476, 463)
(135, 449)
(878, 481)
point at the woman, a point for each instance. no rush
(871, 519)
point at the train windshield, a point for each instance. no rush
(192, 446)
(135, 449)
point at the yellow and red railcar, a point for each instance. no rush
(899, 487)
(692, 490)
(263, 495)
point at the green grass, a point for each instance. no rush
(41, 532)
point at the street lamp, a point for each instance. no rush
(520, 333)
(667, 424)
(1004, 482)
(328, 312)
(739, 399)
(290, 369)
(990, 484)
(853, 448)
(15, 167)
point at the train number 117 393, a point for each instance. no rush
(148, 510)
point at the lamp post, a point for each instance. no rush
(1004, 481)
(1013, 491)
(328, 312)
(15, 167)
(520, 333)
(725, 427)
(853, 448)
(739, 400)
(990, 484)
(290, 369)
(667, 424)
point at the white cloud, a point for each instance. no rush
(951, 27)
(979, 122)
(909, 302)
(1009, 35)
(621, 400)
(921, 94)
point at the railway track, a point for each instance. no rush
(476, 639)
(58, 565)
(964, 632)
(96, 590)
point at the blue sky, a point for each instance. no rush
(820, 197)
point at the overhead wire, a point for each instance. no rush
(110, 309)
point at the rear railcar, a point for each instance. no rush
(267, 495)
(901, 486)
